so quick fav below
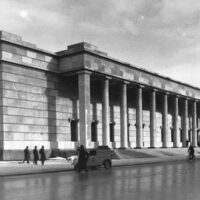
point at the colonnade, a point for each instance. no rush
(84, 114)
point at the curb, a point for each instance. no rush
(36, 172)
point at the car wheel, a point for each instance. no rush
(107, 164)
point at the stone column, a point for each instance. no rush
(123, 113)
(84, 107)
(105, 112)
(194, 123)
(175, 122)
(165, 121)
(153, 119)
(139, 118)
(185, 122)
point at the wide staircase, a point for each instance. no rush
(150, 153)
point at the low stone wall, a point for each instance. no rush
(15, 155)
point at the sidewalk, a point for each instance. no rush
(16, 168)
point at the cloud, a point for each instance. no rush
(126, 7)
(23, 13)
(44, 22)
(151, 34)
(131, 27)
(174, 10)
(184, 73)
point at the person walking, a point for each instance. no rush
(82, 159)
(35, 156)
(26, 155)
(42, 155)
(191, 152)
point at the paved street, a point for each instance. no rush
(127, 158)
(166, 181)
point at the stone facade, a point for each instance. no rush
(82, 96)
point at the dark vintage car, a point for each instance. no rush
(101, 156)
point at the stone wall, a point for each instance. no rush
(36, 108)
(26, 57)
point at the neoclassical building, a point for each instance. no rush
(82, 96)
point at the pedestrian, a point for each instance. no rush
(42, 155)
(35, 155)
(26, 155)
(191, 152)
(82, 159)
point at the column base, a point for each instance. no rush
(122, 148)
(138, 148)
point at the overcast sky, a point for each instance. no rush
(159, 35)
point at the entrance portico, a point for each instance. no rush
(172, 136)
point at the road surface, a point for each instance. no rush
(165, 181)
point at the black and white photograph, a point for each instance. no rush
(99, 99)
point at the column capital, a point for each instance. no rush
(140, 86)
(176, 95)
(192, 100)
(153, 90)
(185, 98)
(166, 93)
(107, 78)
(84, 72)
(126, 82)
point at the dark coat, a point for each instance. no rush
(26, 154)
(82, 159)
(191, 150)
(42, 154)
(35, 154)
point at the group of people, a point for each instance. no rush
(35, 155)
